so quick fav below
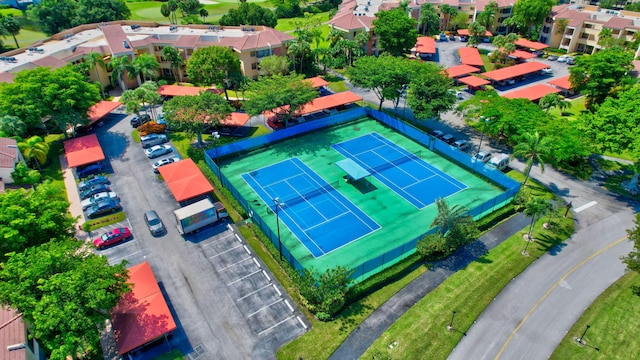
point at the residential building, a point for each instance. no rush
(15, 343)
(9, 156)
(128, 38)
(576, 28)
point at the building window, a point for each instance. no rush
(262, 53)
(545, 29)
(505, 11)
(584, 36)
(254, 66)
(543, 39)
(588, 26)
(252, 54)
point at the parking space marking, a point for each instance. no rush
(217, 240)
(247, 249)
(278, 291)
(302, 322)
(278, 324)
(264, 307)
(585, 206)
(235, 263)
(253, 292)
(288, 305)
(238, 237)
(224, 252)
(267, 276)
(257, 263)
(124, 257)
(244, 277)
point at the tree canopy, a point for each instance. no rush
(387, 76)
(213, 65)
(249, 14)
(11, 26)
(527, 14)
(430, 92)
(429, 20)
(396, 31)
(534, 148)
(54, 16)
(65, 292)
(275, 65)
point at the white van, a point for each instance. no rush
(499, 162)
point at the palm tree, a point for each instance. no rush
(448, 217)
(299, 48)
(175, 59)
(35, 148)
(11, 26)
(121, 65)
(95, 61)
(488, 16)
(534, 148)
(203, 14)
(553, 100)
(447, 12)
(334, 36)
(535, 208)
(145, 66)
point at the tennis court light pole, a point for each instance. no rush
(277, 206)
(484, 127)
(216, 136)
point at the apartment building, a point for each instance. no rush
(576, 28)
(128, 38)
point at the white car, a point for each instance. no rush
(158, 150)
(461, 145)
(563, 59)
(547, 71)
(483, 156)
(87, 203)
(163, 162)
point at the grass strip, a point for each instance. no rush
(93, 224)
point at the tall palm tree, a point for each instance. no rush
(34, 148)
(203, 14)
(534, 148)
(334, 36)
(535, 208)
(144, 66)
(447, 12)
(448, 217)
(11, 26)
(95, 61)
(175, 59)
(488, 16)
(121, 65)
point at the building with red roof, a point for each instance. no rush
(563, 84)
(470, 56)
(101, 109)
(16, 343)
(185, 180)
(83, 150)
(533, 93)
(514, 71)
(474, 82)
(460, 70)
(10, 155)
(425, 47)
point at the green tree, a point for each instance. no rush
(396, 31)
(447, 12)
(387, 76)
(203, 14)
(166, 12)
(459, 20)
(144, 97)
(298, 49)
(455, 228)
(145, 66)
(334, 35)
(95, 61)
(449, 216)
(249, 14)
(23, 174)
(598, 75)
(274, 65)
(36, 149)
(632, 260)
(24, 98)
(326, 292)
(553, 100)
(429, 20)
(283, 94)
(536, 208)
(54, 16)
(33, 217)
(487, 17)
(11, 126)
(535, 149)
(194, 113)
(175, 59)
(97, 11)
(505, 45)
(632, 7)
(476, 33)
(121, 65)
(429, 92)
(527, 14)
(65, 292)
(11, 26)
(213, 65)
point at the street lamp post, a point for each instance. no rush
(450, 326)
(580, 341)
(484, 128)
(216, 136)
(277, 206)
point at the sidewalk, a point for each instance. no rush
(371, 328)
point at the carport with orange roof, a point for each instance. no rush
(528, 44)
(319, 104)
(563, 84)
(514, 71)
(83, 150)
(317, 81)
(180, 90)
(425, 45)
(522, 55)
(460, 70)
(474, 83)
(185, 180)
(470, 56)
(101, 109)
(465, 32)
(533, 93)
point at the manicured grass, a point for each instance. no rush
(136, 136)
(421, 332)
(290, 24)
(336, 84)
(609, 165)
(53, 170)
(614, 325)
(488, 65)
(104, 221)
(26, 37)
(173, 355)
(576, 107)
(11, 11)
(150, 10)
(625, 155)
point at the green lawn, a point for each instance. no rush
(614, 325)
(53, 170)
(150, 10)
(290, 24)
(576, 107)
(336, 84)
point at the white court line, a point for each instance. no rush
(224, 252)
(273, 326)
(242, 278)
(302, 323)
(253, 292)
(235, 263)
(264, 307)
(585, 206)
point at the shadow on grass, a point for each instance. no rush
(347, 319)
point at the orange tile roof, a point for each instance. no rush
(8, 152)
(474, 81)
(11, 333)
(178, 90)
(533, 93)
(470, 56)
(185, 180)
(317, 81)
(349, 21)
(465, 32)
(459, 70)
(515, 71)
(83, 150)
(531, 44)
(321, 103)
(236, 119)
(522, 54)
(561, 82)
(426, 45)
(50, 62)
(101, 109)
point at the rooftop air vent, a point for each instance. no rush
(125, 44)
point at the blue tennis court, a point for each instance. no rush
(321, 217)
(403, 172)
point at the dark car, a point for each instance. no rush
(85, 171)
(103, 207)
(96, 180)
(112, 237)
(437, 134)
(156, 227)
(139, 120)
(92, 190)
(449, 139)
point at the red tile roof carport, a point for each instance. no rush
(185, 180)
(178, 90)
(321, 103)
(459, 70)
(515, 71)
(101, 109)
(533, 93)
(531, 44)
(236, 119)
(525, 55)
(83, 150)
(317, 81)
(426, 45)
(142, 315)
(465, 32)
(562, 83)
(474, 81)
(470, 56)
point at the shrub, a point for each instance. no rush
(323, 316)
(151, 127)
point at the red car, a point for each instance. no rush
(112, 237)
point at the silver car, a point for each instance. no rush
(158, 150)
(156, 227)
(86, 203)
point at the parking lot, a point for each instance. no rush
(225, 303)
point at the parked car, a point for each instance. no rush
(139, 120)
(112, 237)
(483, 156)
(547, 71)
(87, 203)
(437, 133)
(156, 227)
(461, 145)
(158, 150)
(464, 39)
(571, 60)
(103, 207)
(452, 37)
(161, 120)
(85, 171)
(499, 162)
(562, 59)
(552, 57)
(443, 37)
(96, 180)
(150, 140)
(449, 139)
(163, 162)
(511, 81)
(92, 190)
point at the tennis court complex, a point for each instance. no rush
(402, 171)
(321, 217)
